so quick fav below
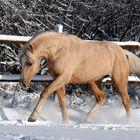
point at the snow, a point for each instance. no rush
(14, 38)
(13, 126)
(130, 79)
(128, 43)
(65, 132)
(108, 123)
(124, 43)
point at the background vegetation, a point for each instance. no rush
(89, 19)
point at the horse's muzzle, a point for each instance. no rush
(23, 85)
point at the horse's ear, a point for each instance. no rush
(21, 45)
(30, 47)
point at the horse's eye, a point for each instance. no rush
(29, 64)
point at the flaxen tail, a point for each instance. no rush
(134, 63)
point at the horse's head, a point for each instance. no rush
(30, 63)
(41, 45)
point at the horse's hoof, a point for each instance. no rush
(31, 119)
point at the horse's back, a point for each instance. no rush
(98, 59)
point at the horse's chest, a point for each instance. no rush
(55, 68)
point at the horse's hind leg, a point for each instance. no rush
(100, 97)
(121, 83)
(62, 102)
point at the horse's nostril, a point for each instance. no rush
(24, 85)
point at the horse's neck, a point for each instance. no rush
(53, 52)
(49, 48)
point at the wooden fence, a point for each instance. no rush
(7, 39)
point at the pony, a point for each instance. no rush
(72, 60)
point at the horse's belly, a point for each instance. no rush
(86, 75)
(79, 79)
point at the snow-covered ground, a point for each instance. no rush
(109, 122)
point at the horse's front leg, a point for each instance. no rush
(56, 84)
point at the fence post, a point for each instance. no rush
(58, 28)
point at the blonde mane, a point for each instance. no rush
(25, 52)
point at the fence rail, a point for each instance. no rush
(44, 78)
(14, 39)
(6, 39)
(16, 77)
(23, 39)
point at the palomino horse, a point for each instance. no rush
(73, 60)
